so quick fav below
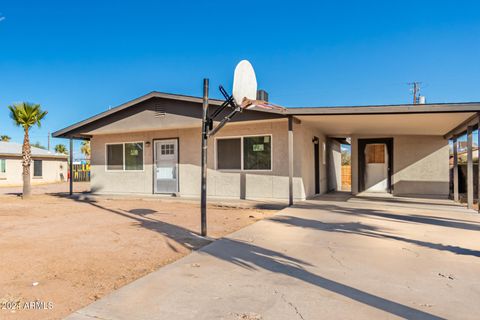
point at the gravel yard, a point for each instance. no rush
(67, 253)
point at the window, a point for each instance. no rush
(37, 168)
(3, 166)
(229, 154)
(244, 153)
(167, 149)
(134, 156)
(375, 153)
(125, 156)
(257, 153)
(115, 157)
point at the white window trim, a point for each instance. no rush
(241, 153)
(123, 156)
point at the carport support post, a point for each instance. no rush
(290, 161)
(203, 197)
(478, 162)
(71, 166)
(469, 167)
(455, 170)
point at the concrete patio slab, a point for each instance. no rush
(335, 257)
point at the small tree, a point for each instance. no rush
(26, 115)
(5, 138)
(60, 148)
(346, 158)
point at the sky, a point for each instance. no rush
(79, 58)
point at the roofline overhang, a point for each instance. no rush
(63, 133)
(299, 112)
(388, 109)
(461, 129)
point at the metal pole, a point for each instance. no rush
(478, 165)
(290, 161)
(469, 167)
(203, 198)
(455, 170)
(71, 166)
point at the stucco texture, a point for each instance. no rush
(420, 165)
(268, 184)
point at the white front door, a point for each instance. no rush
(376, 168)
(166, 166)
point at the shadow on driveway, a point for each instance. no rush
(252, 257)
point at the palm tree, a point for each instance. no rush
(5, 138)
(86, 149)
(26, 115)
(60, 148)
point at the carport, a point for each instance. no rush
(418, 141)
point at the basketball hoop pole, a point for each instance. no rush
(208, 130)
(205, 124)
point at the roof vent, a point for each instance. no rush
(262, 95)
(422, 100)
(159, 111)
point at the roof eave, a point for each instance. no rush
(64, 133)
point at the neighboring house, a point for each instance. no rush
(152, 145)
(46, 167)
(462, 146)
(463, 156)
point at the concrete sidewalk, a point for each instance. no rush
(330, 259)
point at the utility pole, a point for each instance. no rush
(416, 90)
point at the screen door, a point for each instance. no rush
(166, 166)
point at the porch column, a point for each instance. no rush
(290, 160)
(469, 167)
(71, 166)
(455, 170)
(478, 163)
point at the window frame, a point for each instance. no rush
(242, 159)
(123, 156)
(373, 152)
(41, 168)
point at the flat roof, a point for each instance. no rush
(291, 111)
(388, 109)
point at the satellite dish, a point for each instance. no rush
(244, 82)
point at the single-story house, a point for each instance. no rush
(152, 145)
(46, 167)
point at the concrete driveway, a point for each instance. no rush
(331, 258)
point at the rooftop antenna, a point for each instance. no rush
(244, 96)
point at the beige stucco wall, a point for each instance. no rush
(53, 171)
(232, 184)
(420, 165)
(304, 158)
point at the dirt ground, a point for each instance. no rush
(65, 253)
